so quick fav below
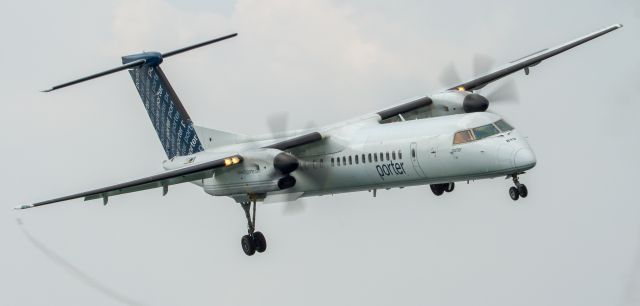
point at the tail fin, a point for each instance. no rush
(168, 116)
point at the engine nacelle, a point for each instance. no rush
(261, 171)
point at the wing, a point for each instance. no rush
(421, 105)
(529, 61)
(182, 175)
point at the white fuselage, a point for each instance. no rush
(367, 155)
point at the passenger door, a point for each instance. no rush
(413, 154)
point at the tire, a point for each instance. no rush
(248, 246)
(449, 187)
(437, 189)
(260, 242)
(522, 190)
(514, 194)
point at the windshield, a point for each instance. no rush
(481, 132)
(462, 137)
(485, 131)
(503, 126)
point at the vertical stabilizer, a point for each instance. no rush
(168, 116)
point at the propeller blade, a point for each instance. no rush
(97, 75)
(450, 75)
(294, 208)
(505, 92)
(482, 64)
(202, 44)
(278, 122)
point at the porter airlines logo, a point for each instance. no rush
(390, 169)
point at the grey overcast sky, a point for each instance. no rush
(574, 241)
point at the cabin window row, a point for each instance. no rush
(365, 158)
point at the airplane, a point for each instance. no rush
(432, 140)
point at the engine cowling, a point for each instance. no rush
(474, 102)
(261, 171)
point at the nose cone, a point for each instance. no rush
(525, 158)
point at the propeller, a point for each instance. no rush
(277, 124)
(475, 102)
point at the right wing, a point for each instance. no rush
(182, 175)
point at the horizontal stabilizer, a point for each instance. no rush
(148, 58)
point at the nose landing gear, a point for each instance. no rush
(520, 190)
(253, 241)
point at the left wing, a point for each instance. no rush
(530, 61)
(421, 104)
(182, 175)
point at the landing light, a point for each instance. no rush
(231, 161)
(460, 88)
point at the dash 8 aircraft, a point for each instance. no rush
(434, 140)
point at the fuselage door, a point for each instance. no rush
(413, 152)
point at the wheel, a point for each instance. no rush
(514, 194)
(259, 242)
(449, 187)
(522, 190)
(437, 189)
(248, 246)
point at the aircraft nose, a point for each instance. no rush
(524, 158)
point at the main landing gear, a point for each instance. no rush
(520, 190)
(439, 189)
(254, 241)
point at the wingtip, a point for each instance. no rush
(24, 206)
(619, 25)
(47, 90)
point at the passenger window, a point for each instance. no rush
(357, 160)
(344, 161)
(375, 157)
(503, 126)
(363, 160)
(399, 154)
(485, 131)
(333, 162)
(369, 157)
(413, 153)
(393, 155)
(462, 137)
(387, 155)
(381, 157)
(350, 160)
(321, 163)
(338, 161)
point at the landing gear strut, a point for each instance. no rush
(519, 190)
(253, 241)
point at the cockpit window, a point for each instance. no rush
(503, 126)
(485, 131)
(462, 137)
